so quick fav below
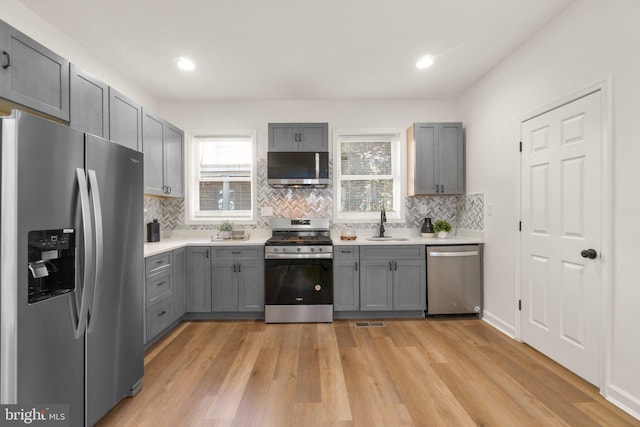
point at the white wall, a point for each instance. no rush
(589, 41)
(24, 20)
(340, 114)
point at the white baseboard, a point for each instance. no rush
(499, 324)
(623, 400)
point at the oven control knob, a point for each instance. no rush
(318, 287)
(319, 249)
(275, 249)
(313, 249)
(299, 249)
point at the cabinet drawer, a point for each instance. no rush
(157, 263)
(346, 252)
(159, 286)
(159, 317)
(392, 252)
(235, 252)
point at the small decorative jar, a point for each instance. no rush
(427, 228)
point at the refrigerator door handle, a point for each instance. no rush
(99, 237)
(89, 264)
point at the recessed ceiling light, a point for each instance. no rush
(185, 64)
(425, 62)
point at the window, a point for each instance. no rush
(221, 177)
(368, 175)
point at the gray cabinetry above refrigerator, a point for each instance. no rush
(125, 120)
(435, 159)
(89, 103)
(32, 75)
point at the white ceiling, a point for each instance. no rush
(300, 49)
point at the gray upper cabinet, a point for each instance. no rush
(163, 160)
(125, 120)
(173, 160)
(31, 75)
(298, 137)
(89, 103)
(435, 159)
(393, 278)
(346, 278)
(152, 140)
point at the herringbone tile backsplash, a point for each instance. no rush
(465, 212)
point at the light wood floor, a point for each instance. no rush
(458, 372)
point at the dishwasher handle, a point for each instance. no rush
(454, 254)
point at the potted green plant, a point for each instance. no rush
(442, 228)
(225, 229)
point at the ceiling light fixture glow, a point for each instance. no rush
(185, 64)
(425, 62)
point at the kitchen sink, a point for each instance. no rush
(387, 239)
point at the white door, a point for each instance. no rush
(561, 197)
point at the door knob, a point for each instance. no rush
(589, 253)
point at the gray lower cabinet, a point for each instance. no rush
(179, 282)
(198, 279)
(32, 75)
(392, 278)
(298, 136)
(346, 278)
(89, 103)
(125, 120)
(238, 279)
(435, 153)
(159, 312)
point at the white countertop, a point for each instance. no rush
(183, 239)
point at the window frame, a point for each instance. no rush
(192, 178)
(399, 175)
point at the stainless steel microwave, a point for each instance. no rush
(297, 169)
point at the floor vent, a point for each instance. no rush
(369, 324)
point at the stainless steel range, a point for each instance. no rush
(299, 271)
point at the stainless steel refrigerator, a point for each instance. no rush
(71, 270)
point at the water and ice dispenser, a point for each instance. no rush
(52, 260)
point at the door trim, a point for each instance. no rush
(606, 228)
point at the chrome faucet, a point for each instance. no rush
(383, 219)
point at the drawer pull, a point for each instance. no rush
(162, 313)
(160, 261)
(7, 63)
(345, 252)
(236, 252)
(161, 283)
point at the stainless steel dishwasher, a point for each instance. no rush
(454, 279)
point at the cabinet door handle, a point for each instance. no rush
(356, 263)
(234, 267)
(207, 253)
(441, 188)
(437, 188)
(239, 268)
(395, 265)
(390, 266)
(7, 64)
(162, 313)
